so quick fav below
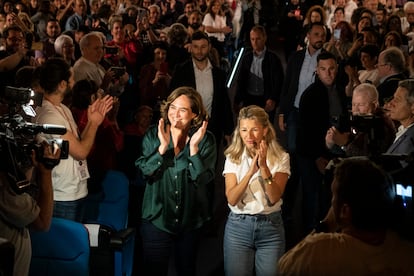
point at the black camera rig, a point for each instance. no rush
(18, 138)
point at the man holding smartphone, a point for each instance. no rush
(88, 67)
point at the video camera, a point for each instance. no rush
(372, 125)
(18, 138)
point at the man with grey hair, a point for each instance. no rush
(88, 67)
(391, 69)
(371, 131)
(407, 22)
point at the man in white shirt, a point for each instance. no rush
(88, 67)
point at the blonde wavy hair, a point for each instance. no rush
(236, 148)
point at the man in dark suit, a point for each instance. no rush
(320, 102)
(300, 73)
(402, 110)
(391, 67)
(261, 76)
(210, 82)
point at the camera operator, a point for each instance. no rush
(70, 176)
(402, 110)
(20, 211)
(357, 141)
(357, 239)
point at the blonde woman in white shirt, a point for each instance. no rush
(256, 171)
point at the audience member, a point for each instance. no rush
(181, 138)
(407, 23)
(340, 45)
(300, 73)
(366, 136)
(292, 26)
(170, 11)
(79, 17)
(189, 7)
(256, 171)
(40, 20)
(369, 60)
(14, 56)
(177, 37)
(216, 27)
(154, 80)
(88, 67)
(260, 76)
(402, 110)
(109, 138)
(391, 70)
(65, 48)
(361, 210)
(48, 47)
(69, 178)
(209, 81)
(320, 102)
(194, 22)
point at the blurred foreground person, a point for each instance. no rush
(356, 238)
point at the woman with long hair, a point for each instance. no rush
(256, 171)
(215, 26)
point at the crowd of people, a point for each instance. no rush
(142, 86)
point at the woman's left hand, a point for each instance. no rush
(262, 153)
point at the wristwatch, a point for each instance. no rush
(268, 180)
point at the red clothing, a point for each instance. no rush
(109, 141)
(151, 94)
(132, 49)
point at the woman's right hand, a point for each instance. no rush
(163, 136)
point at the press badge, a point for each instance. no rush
(82, 170)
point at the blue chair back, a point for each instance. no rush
(113, 208)
(63, 250)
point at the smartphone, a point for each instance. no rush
(337, 34)
(119, 71)
(111, 50)
(164, 68)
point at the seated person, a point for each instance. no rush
(366, 136)
(364, 244)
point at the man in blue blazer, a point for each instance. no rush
(402, 110)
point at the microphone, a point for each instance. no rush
(32, 128)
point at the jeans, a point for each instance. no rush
(253, 244)
(158, 247)
(72, 210)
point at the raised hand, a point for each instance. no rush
(164, 136)
(99, 108)
(199, 134)
(262, 153)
